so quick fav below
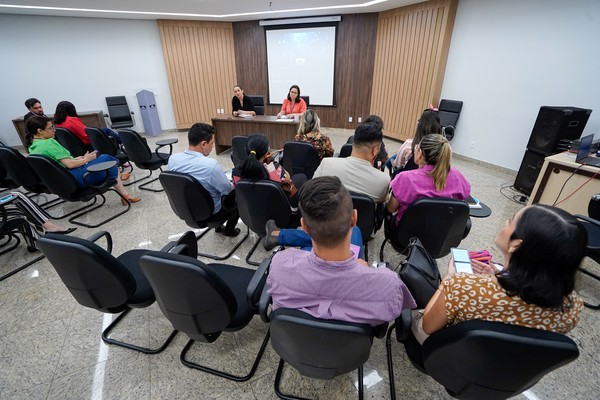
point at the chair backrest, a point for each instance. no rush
(101, 142)
(190, 294)
(319, 348)
(71, 142)
(438, 222)
(365, 206)
(261, 201)
(57, 178)
(189, 200)
(492, 360)
(135, 146)
(118, 110)
(300, 158)
(94, 277)
(449, 111)
(306, 100)
(346, 150)
(259, 104)
(18, 170)
(239, 153)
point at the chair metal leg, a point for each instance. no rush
(284, 396)
(214, 257)
(388, 347)
(143, 187)
(255, 263)
(596, 277)
(144, 350)
(21, 268)
(10, 237)
(223, 374)
(381, 250)
(91, 207)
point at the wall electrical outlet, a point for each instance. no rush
(359, 120)
(218, 111)
(222, 111)
(349, 119)
(472, 144)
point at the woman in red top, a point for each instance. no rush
(66, 117)
(293, 105)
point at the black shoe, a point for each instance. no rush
(230, 232)
(219, 229)
(269, 242)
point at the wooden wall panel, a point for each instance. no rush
(200, 62)
(354, 65)
(412, 49)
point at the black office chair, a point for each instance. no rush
(71, 142)
(204, 301)
(449, 111)
(63, 184)
(138, 152)
(119, 113)
(107, 145)
(259, 104)
(101, 281)
(592, 226)
(306, 100)
(259, 202)
(346, 150)
(239, 152)
(12, 224)
(317, 348)
(300, 158)
(21, 174)
(439, 223)
(482, 359)
(191, 202)
(370, 217)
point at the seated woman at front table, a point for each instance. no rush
(240, 103)
(66, 117)
(40, 136)
(434, 178)
(542, 247)
(293, 105)
(309, 131)
(259, 166)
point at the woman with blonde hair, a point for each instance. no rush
(435, 176)
(309, 132)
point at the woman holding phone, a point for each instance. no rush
(542, 247)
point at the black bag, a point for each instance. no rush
(420, 273)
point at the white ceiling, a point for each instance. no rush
(216, 10)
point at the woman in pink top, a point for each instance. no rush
(435, 177)
(293, 105)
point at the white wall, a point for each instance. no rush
(507, 58)
(81, 60)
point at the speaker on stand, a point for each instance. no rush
(554, 126)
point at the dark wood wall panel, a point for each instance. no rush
(354, 66)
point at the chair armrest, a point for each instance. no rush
(403, 326)
(165, 142)
(98, 235)
(467, 227)
(257, 284)
(588, 219)
(263, 305)
(187, 245)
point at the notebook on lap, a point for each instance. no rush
(583, 155)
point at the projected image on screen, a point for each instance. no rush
(301, 56)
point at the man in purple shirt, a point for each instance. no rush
(329, 282)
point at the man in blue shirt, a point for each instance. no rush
(195, 162)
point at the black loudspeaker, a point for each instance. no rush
(529, 171)
(556, 123)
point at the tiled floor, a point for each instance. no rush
(50, 346)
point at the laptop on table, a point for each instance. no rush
(583, 155)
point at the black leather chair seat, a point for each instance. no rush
(143, 295)
(155, 161)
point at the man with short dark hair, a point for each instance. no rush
(35, 108)
(356, 172)
(329, 282)
(208, 172)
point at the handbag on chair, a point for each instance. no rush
(420, 273)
